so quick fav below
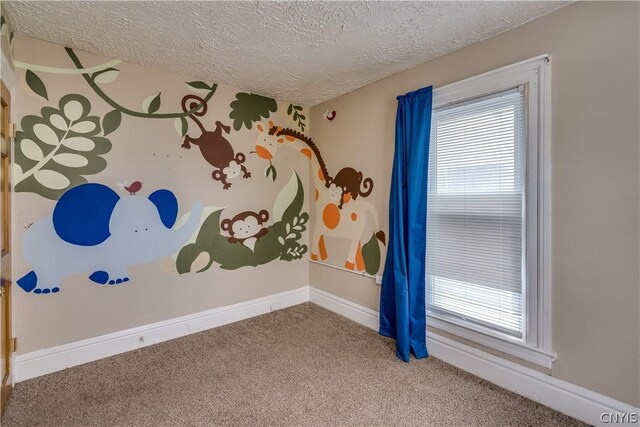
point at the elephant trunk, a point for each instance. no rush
(181, 235)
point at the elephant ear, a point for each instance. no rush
(167, 206)
(82, 214)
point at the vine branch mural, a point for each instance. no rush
(155, 101)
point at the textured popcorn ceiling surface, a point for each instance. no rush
(307, 52)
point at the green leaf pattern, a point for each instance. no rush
(296, 112)
(249, 108)
(56, 150)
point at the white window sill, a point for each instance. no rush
(505, 345)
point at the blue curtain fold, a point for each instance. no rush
(402, 299)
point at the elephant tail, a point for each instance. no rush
(28, 282)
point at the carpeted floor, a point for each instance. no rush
(299, 366)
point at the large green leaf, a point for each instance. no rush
(56, 150)
(249, 108)
(371, 255)
(296, 205)
(186, 257)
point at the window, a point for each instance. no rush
(486, 224)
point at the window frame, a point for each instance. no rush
(535, 75)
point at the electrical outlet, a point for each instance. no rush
(275, 306)
(379, 279)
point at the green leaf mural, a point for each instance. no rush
(294, 111)
(111, 121)
(270, 172)
(249, 108)
(181, 126)
(56, 150)
(280, 242)
(36, 84)
(199, 86)
(371, 255)
(151, 104)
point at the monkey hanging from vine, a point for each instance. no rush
(215, 148)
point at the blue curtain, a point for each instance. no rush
(402, 299)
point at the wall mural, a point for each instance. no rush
(214, 147)
(56, 150)
(95, 231)
(248, 242)
(339, 213)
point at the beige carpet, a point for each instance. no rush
(299, 366)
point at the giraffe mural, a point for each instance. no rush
(339, 213)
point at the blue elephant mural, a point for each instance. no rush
(92, 230)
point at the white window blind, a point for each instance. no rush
(475, 213)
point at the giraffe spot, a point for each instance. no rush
(306, 152)
(317, 194)
(346, 198)
(320, 174)
(331, 216)
(290, 138)
(354, 216)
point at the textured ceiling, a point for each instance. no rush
(306, 52)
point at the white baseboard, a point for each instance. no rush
(570, 399)
(46, 361)
(358, 313)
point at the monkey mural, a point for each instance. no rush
(215, 148)
(349, 183)
(246, 227)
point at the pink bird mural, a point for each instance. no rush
(132, 188)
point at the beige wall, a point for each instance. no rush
(594, 48)
(148, 150)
